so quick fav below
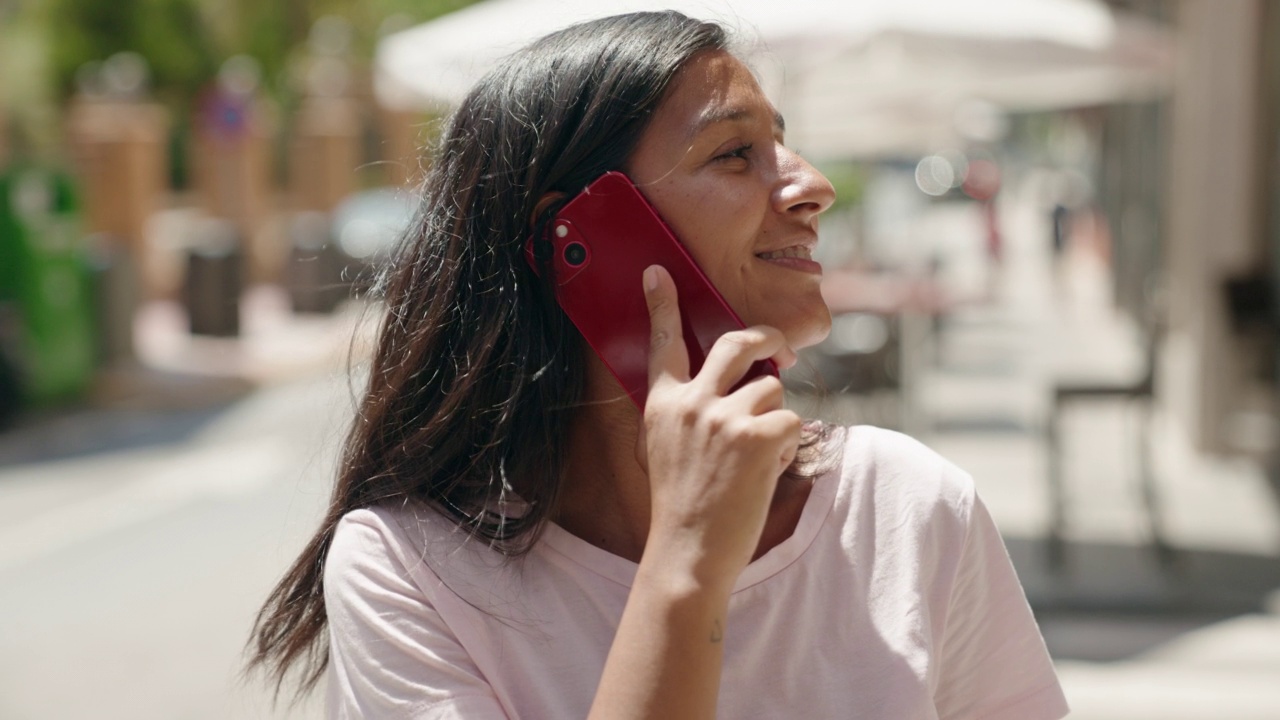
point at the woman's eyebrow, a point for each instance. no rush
(713, 116)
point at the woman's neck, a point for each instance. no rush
(605, 496)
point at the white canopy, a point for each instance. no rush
(853, 77)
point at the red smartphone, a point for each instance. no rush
(602, 240)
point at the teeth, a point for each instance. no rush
(792, 252)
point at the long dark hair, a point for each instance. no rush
(477, 372)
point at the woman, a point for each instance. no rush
(510, 538)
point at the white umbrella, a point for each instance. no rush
(853, 77)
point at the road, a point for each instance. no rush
(128, 580)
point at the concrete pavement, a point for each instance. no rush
(138, 536)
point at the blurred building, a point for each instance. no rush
(121, 155)
(1189, 186)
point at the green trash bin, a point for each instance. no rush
(44, 284)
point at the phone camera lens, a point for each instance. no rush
(575, 254)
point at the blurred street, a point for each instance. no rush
(1054, 257)
(129, 576)
(1131, 638)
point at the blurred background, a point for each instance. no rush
(1053, 259)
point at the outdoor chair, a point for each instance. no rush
(1140, 394)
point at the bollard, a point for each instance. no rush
(214, 279)
(10, 371)
(314, 275)
(115, 293)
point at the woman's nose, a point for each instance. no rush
(802, 190)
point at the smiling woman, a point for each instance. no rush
(713, 163)
(510, 537)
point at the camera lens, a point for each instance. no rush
(575, 254)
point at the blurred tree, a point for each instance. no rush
(185, 41)
(170, 34)
(44, 44)
(27, 98)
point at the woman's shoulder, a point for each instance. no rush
(863, 442)
(408, 538)
(378, 528)
(366, 541)
(405, 521)
(892, 469)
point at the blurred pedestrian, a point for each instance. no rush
(1060, 225)
(510, 537)
(982, 183)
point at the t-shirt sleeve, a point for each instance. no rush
(391, 655)
(994, 665)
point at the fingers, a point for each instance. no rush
(784, 427)
(734, 352)
(730, 357)
(642, 447)
(668, 357)
(761, 395)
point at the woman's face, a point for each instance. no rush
(712, 163)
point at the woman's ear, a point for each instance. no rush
(543, 203)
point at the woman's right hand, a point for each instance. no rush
(713, 453)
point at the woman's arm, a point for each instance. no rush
(713, 459)
(666, 657)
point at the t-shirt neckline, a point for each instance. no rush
(623, 571)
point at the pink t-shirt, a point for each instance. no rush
(894, 598)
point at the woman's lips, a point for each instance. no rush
(795, 251)
(796, 257)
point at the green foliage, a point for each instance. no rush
(45, 43)
(185, 41)
(850, 181)
(170, 34)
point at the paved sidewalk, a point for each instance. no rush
(140, 533)
(158, 411)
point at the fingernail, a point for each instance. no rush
(651, 278)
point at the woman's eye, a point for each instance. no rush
(738, 153)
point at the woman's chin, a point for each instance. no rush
(812, 332)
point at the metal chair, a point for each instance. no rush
(1141, 393)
